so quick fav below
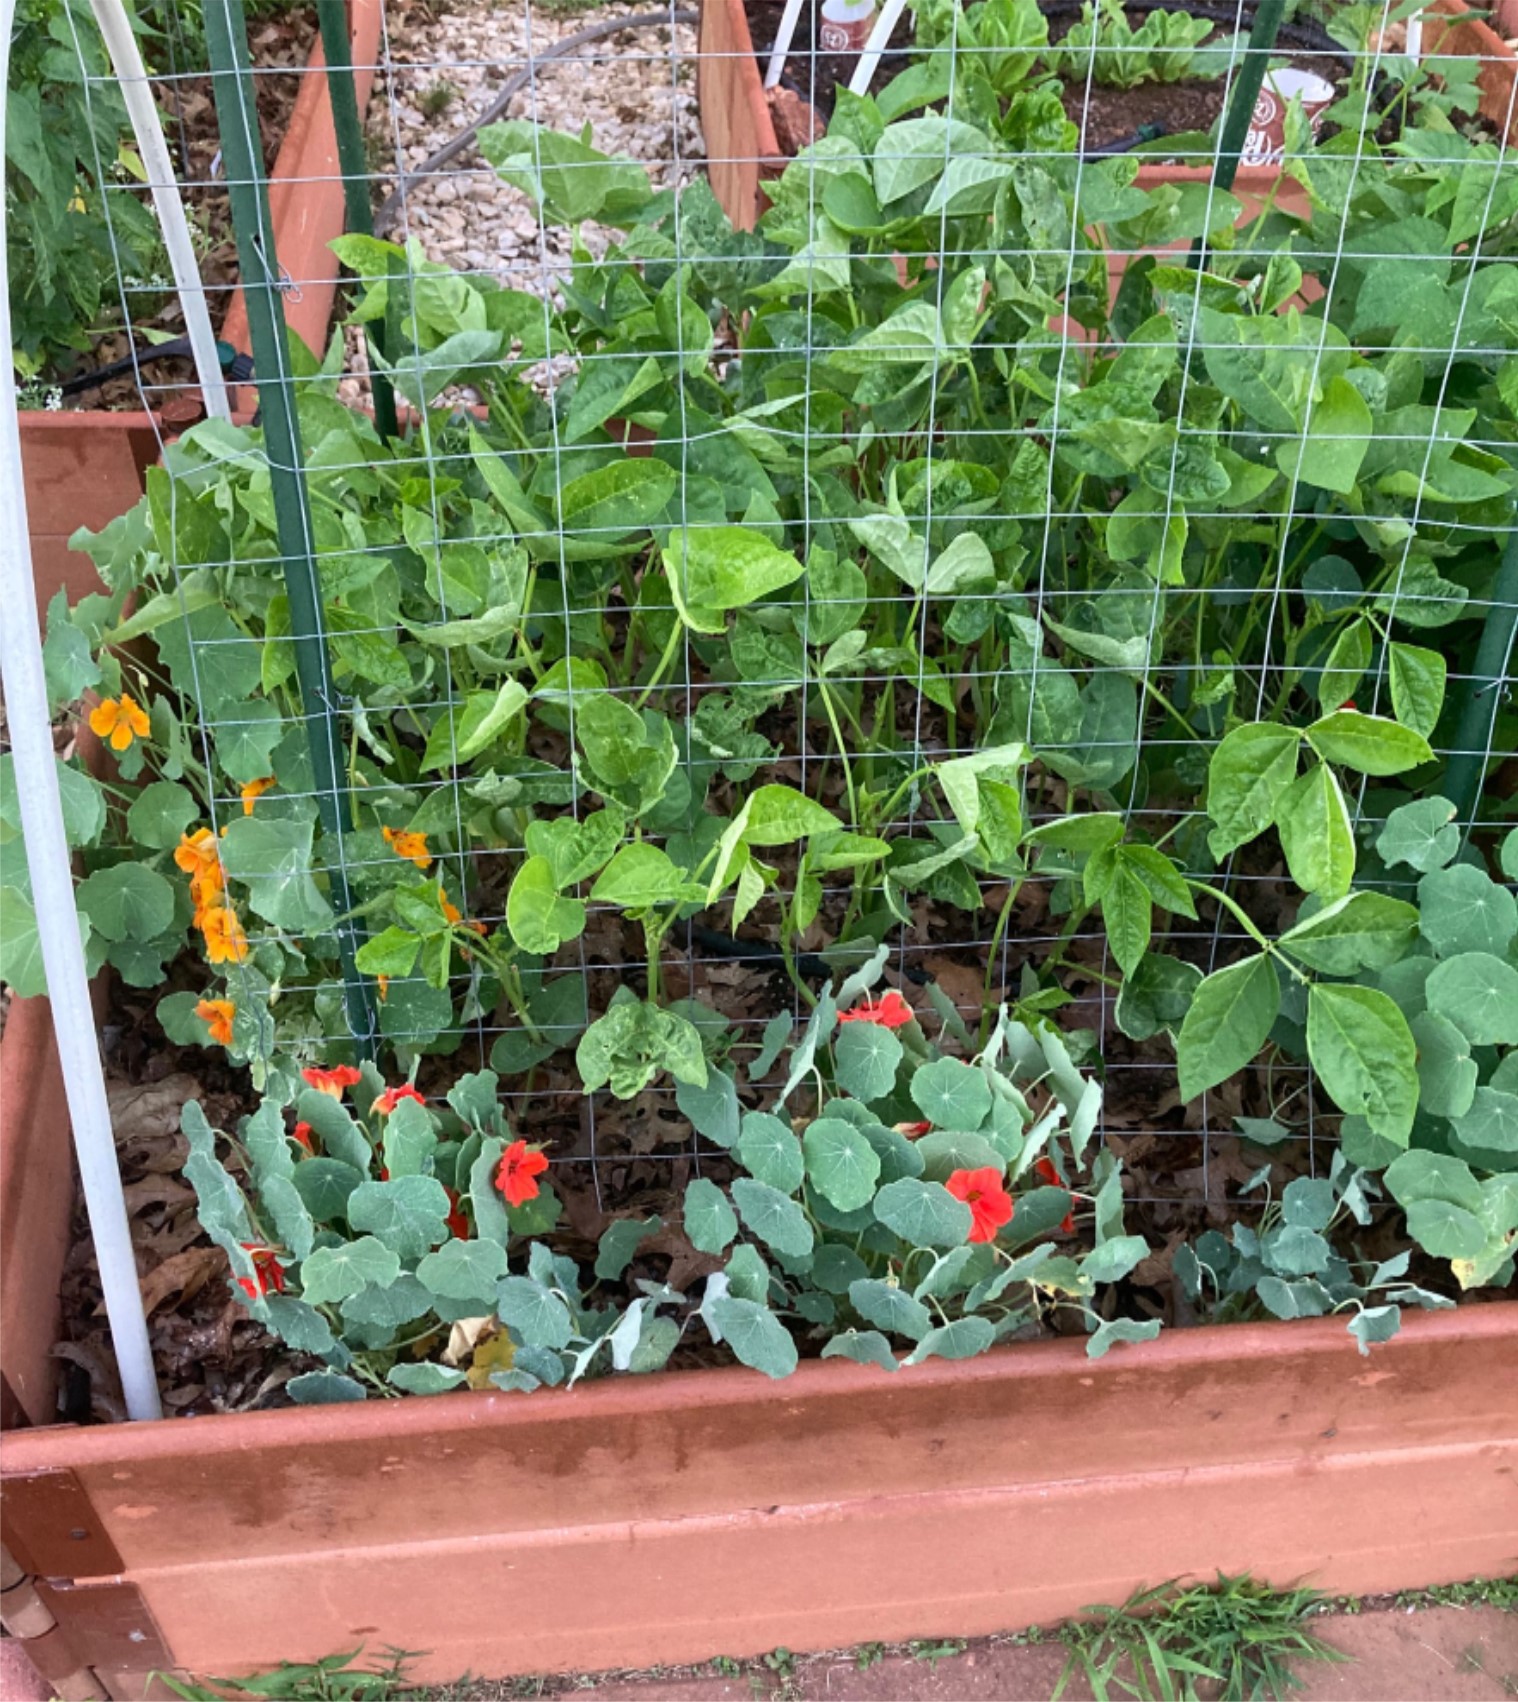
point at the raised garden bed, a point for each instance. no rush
(83, 466)
(969, 1146)
(708, 1513)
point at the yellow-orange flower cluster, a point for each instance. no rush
(411, 846)
(198, 855)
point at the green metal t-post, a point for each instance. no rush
(1491, 674)
(1241, 101)
(236, 118)
(358, 216)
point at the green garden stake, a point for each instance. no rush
(358, 216)
(232, 84)
(1491, 675)
(1241, 102)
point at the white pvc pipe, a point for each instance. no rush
(788, 21)
(132, 76)
(47, 855)
(859, 83)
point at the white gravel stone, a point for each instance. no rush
(636, 93)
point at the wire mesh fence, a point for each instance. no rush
(849, 538)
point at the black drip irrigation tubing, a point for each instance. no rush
(236, 368)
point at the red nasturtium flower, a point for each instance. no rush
(1045, 1167)
(301, 1135)
(891, 1012)
(392, 1096)
(267, 1271)
(455, 1219)
(518, 1175)
(331, 1081)
(989, 1202)
(912, 1130)
(217, 1015)
(119, 720)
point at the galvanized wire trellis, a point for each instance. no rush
(813, 752)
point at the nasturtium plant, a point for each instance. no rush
(894, 1203)
(1287, 1264)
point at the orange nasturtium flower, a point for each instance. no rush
(386, 1102)
(411, 846)
(254, 790)
(383, 983)
(222, 932)
(217, 1015)
(454, 916)
(333, 1081)
(517, 1177)
(301, 1135)
(119, 720)
(198, 856)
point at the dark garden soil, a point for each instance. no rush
(279, 45)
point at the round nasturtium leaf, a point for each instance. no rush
(1479, 994)
(1462, 908)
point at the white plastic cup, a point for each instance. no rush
(1265, 141)
(846, 25)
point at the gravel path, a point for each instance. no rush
(637, 99)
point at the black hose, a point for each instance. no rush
(236, 368)
(1126, 144)
(456, 145)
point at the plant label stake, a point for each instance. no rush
(232, 83)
